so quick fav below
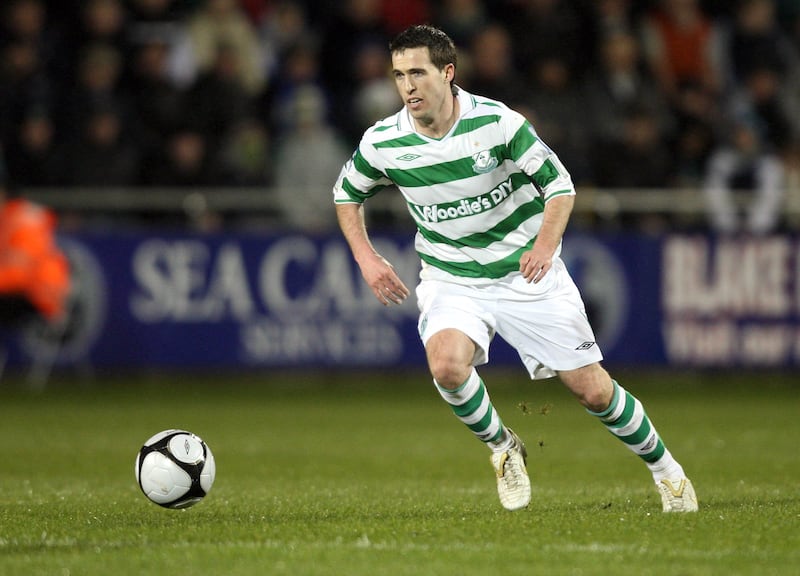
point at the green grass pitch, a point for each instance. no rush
(369, 473)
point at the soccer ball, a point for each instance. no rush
(175, 469)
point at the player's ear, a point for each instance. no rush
(449, 72)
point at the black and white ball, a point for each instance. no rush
(175, 469)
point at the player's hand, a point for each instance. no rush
(383, 280)
(535, 263)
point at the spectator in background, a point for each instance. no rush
(693, 144)
(559, 112)
(60, 60)
(219, 23)
(682, 49)
(98, 84)
(157, 102)
(751, 157)
(104, 21)
(763, 62)
(97, 23)
(543, 29)
(33, 157)
(103, 154)
(741, 164)
(188, 164)
(300, 68)
(764, 97)
(493, 70)
(462, 19)
(242, 154)
(356, 23)
(307, 157)
(185, 163)
(30, 57)
(280, 30)
(23, 20)
(164, 22)
(218, 99)
(399, 15)
(681, 46)
(23, 83)
(756, 41)
(375, 96)
(612, 17)
(641, 160)
(26, 21)
(761, 126)
(619, 83)
(31, 63)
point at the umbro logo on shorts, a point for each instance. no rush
(585, 346)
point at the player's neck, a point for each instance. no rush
(438, 128)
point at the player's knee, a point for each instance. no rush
(596, 398)
(448, 371)
(450, 356)
(591, 385)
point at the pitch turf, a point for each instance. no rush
(370, 474)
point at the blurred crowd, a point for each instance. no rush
(631, 94)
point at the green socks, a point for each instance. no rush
(626, 419)
(471, 404)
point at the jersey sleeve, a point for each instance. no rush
(359, 179)
(535, 158)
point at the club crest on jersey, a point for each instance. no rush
(484, 162)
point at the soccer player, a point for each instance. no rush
(491, 202)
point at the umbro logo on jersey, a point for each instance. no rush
(409, 157)
(585, 346)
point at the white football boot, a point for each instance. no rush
(513, 484)
(677, 495)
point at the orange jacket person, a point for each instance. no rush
(32, 267)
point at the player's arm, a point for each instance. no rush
(536, 262)
(376, 270)
(359, 180)
(553, 181)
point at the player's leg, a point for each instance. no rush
(549, 328)
(450, 353)
(456, 331)
(624, 416)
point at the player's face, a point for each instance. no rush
(425, 89)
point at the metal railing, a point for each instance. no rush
(187, 205)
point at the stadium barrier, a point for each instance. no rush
(593, 205)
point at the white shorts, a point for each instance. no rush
(545, 323)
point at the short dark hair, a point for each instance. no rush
(440, 46)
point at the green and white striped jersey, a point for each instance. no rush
(476, 195)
